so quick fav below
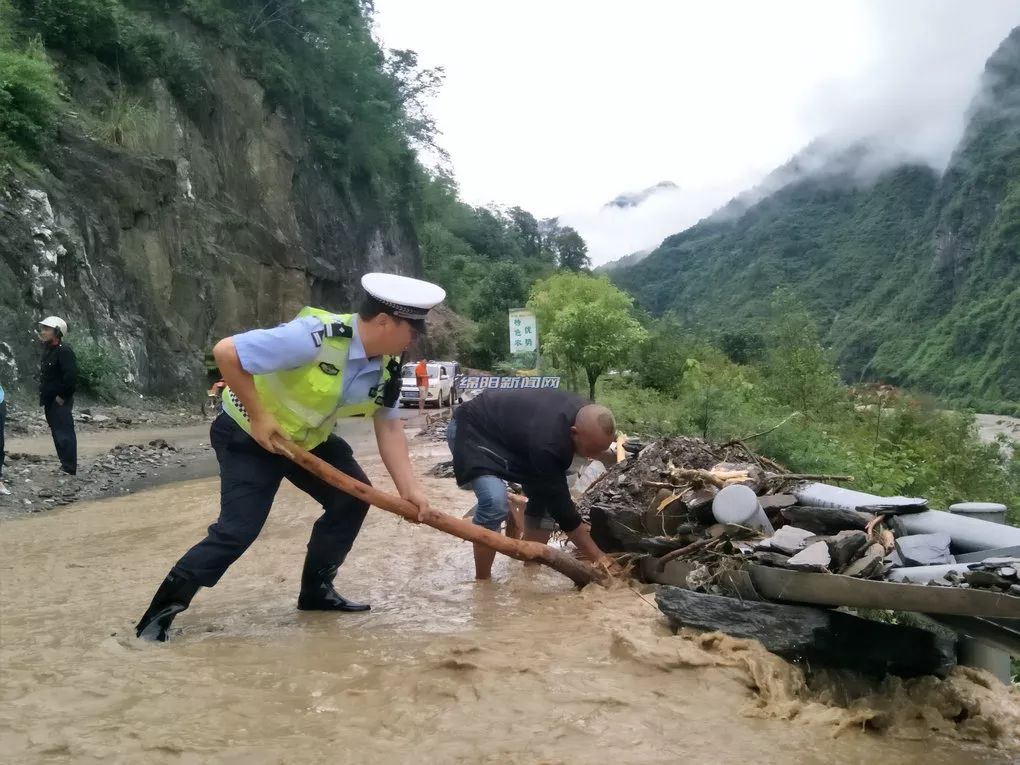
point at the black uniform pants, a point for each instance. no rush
(3, 421)
(59, 418)
(249, 479)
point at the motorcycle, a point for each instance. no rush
(214, 400)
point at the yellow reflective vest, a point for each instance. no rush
(308, 401)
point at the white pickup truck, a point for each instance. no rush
(441, 378)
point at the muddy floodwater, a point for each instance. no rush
(523, 669)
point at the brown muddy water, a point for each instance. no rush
(523, 669)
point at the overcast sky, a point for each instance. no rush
(561, 105)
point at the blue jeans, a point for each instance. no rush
(490, 491)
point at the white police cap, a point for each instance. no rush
(403, 296)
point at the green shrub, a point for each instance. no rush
(29, 93)
(100, 369)
(122, 39)
(901, 446)
(82, 26)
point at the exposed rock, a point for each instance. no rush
(825, 520)
(126, 241)
(442, 470)
(770, 501)
(767, 558)
(789, 540)
(870, 565)
(845, 547)
(925, 549)
(812, 558)
(435, 427)
(987, 579)
(819, 636)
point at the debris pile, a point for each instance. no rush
(26, 419)
(661, 502)
(37, 483)
(996, 574)
(717, 521)
(435, 427)
(442, 470)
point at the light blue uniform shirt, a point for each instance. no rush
(296, 343)
(1, 394)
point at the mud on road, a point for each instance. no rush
(523, 669)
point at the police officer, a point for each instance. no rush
(295, 382)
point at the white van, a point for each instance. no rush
(440, 392)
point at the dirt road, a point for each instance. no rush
(101, 441)
(523, 669)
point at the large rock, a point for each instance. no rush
(870, 565)
(818, 636)
(825, 520)
(925, 549)
(846, 547)
(788, 540)
(814, 557)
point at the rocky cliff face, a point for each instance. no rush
(223, 222)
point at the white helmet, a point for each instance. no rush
(55, 322)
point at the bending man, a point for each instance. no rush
(529, 437)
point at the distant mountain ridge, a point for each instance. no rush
(634, 198)
(627, 260)
(914, 276)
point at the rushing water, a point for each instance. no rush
(523, 669)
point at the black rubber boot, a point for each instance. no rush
(318, 594)
(173, 596)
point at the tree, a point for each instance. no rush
(572, 250)
(742, 346)
(502, 289)
(527, 231)
(800, 369)
(588, 323)
(564, 288)
(416, 86)
(662, 359)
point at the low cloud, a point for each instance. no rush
(906, 100)
(612, 232)
(920, 71)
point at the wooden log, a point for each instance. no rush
(809, 477)
(687, 550)
(818, 635)
(579, 572)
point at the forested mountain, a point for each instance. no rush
(914, 275)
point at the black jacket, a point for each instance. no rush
(521, 436)
(58, 374)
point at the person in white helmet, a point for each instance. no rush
(3, 416)
(58, 378)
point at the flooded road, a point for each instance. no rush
(523, 669)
